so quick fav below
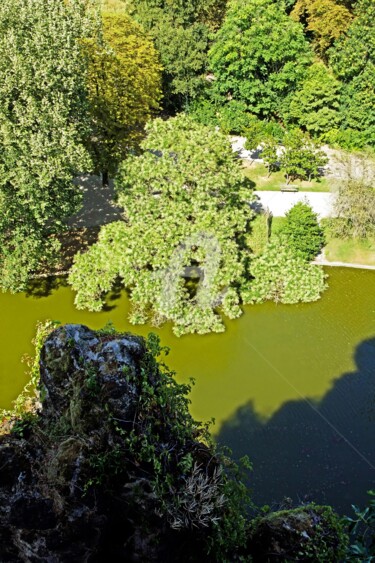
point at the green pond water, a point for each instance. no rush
(291, 386)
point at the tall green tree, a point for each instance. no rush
(124, 84)
(181, 249)
(43, 120)
(353, 60)
(315, 106)
(259, 56)
(180, 30)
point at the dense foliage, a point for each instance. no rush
(259, 56)
(315, 105)
(281, 275)
(186, 212)
(124, 87)
(353, 60)
(354, 204)
(300, 158)
(180, 31)
(43, 120)
(302, 231)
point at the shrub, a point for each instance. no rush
(302, 231)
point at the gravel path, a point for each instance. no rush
(99, 207)
(280, 202)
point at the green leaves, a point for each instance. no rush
(186, 212)
(302, 231)
(43, 119)
(259, 55)
(281, 275)
(124, 84)
(315, 106)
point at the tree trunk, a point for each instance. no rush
(105, 178)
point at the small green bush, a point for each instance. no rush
(302, 231)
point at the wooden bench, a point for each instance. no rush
(289, 188)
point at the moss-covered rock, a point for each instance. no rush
(309, 533)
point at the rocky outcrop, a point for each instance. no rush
(111, 468)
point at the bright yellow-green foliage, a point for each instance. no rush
(325, 19)
(124, 88)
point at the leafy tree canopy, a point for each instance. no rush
(43, 119)
(325, 20)
(302, 231)
(180, 30)
(124, 82)
(259, 55)
(186, 216)
(353, 60)
(301, 159)
(281, 275)
(355, 198)
(315, 106)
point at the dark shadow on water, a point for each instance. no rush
(44, 287)
(322, 452)
(113, 295)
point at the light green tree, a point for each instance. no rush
(259, 56)
(43, 120)
(269, 155)
(301, 159)
(281, 275)
(315, 106)
(186, 215)
(353, 60)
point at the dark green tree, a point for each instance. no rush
(302, 231)
(353, 60)
(315, 106)
(180, 30)
(259, 56)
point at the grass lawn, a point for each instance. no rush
(356, 251)
(257, 172)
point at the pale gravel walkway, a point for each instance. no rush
(279, 203)
(321, 262)
(99, 207)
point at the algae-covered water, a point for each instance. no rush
(254, 379)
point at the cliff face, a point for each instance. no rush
(113, 468)
(108, 469)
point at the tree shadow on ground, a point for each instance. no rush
(44, 287)
(322, 452)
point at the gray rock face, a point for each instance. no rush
(77, 482)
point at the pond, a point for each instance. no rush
(291, 386)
